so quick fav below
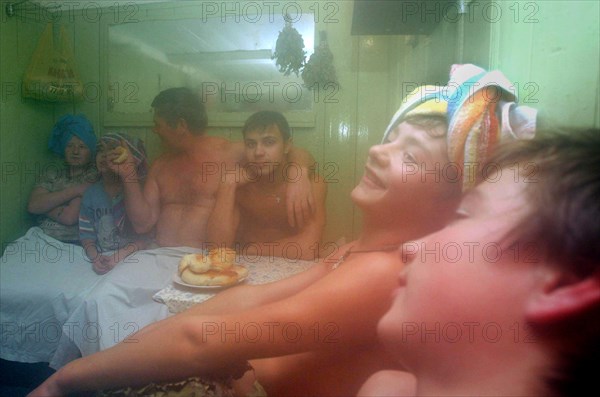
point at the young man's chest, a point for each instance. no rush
(264, 207)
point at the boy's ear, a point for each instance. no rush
(288, 145)
(562, 298)
(182, 125)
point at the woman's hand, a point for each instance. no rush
(43, 201)
(66, 214)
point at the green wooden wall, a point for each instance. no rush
(550, 48)
(24, 125)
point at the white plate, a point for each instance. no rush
(177, 280)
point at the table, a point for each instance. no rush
(261, 270)
(140, 291)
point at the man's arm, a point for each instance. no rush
(300, 200)
(225, 216)
(337, 312)
(142, 203)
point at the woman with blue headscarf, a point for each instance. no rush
(57, 196)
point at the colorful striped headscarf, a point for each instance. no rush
(66, 127)
(481, 111)
(135, 146)
(473, 124)
(424, 100)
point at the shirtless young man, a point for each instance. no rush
(250, 210)
(179, 193)
(318, 327)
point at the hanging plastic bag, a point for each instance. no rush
(51, 74)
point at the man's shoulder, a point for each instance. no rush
(231, 147)
(161, 159)
(221, 147)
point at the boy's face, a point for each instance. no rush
(409, 173)
(465, 286)
(101, 157)
(266, 149)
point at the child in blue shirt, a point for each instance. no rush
(103, 224)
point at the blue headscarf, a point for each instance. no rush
(66, 127)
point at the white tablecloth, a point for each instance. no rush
(42, 280)
(139, 292)
(119, 305)
(262, 270)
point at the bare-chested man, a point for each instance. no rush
(250, 209)
(179, 193)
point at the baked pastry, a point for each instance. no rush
(222, 258)
(241, 271)
(197, 263)
(122, 152)
(210, 278)
(215, 269)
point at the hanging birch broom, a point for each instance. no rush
(319, 70)
(289, 53)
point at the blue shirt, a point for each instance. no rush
(103, 220)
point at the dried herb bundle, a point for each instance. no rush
(319, 69)
(289, 53)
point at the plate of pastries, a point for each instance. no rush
(217, 269)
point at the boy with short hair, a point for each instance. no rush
(250, 210)
(512, 308)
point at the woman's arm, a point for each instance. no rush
(66, 214)
(42, 201)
